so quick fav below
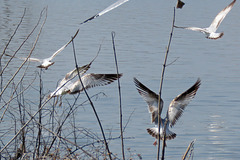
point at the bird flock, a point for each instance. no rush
(177, 105)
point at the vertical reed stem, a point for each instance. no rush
(40, 115)
(160, 90)
(120, 98)
(94, 110)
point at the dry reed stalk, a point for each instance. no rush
(34, 45)
(189, 150)
(119, 94)
(160, 93)
(94, 110)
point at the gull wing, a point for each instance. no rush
(93, 80)
(179, 103)
(32, 59)
(74, 73)
(193, 28)
(220, 16)
(62, 89)
(63, 47)
(66, 83)
(29, 59)
(82, 69)
(150, 97)
(111, 7)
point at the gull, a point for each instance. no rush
(66, 82)
(47, 62)
(175, 109)
(92, 80)
(109, 8)
(210, 32)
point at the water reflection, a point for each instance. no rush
(5, 29)
(217, 124)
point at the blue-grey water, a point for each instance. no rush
(142, 32)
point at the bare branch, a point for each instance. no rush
(189, 150)
(160, 90)
(94, 110)
(119, 94)
(26, 58)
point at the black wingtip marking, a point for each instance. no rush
(89, 19)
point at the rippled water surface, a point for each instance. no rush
(142, 31)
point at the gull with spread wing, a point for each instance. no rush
(89, 80)
(66, 82)
(92, 80)
(210, 32)
(175, 109)
(47, 62)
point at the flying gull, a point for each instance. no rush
(89, 80)
(210, 32)
(66, 82)
(109, 8)
(175, 109)
(92, 80)
(47, 62)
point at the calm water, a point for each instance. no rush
(142, 32)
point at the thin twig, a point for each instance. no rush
(119, 92)
(15, 31)
(94, 110)
(40, 17)
(164, 137)
(160, 90)
(60, 127)
(172, 62)
(38, 142)
(12, 98)
(128, 120)
(13, 78)
(4, 50)
(26, 58)
(56, 134)
(189, 150)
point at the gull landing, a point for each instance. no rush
(175, 108)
